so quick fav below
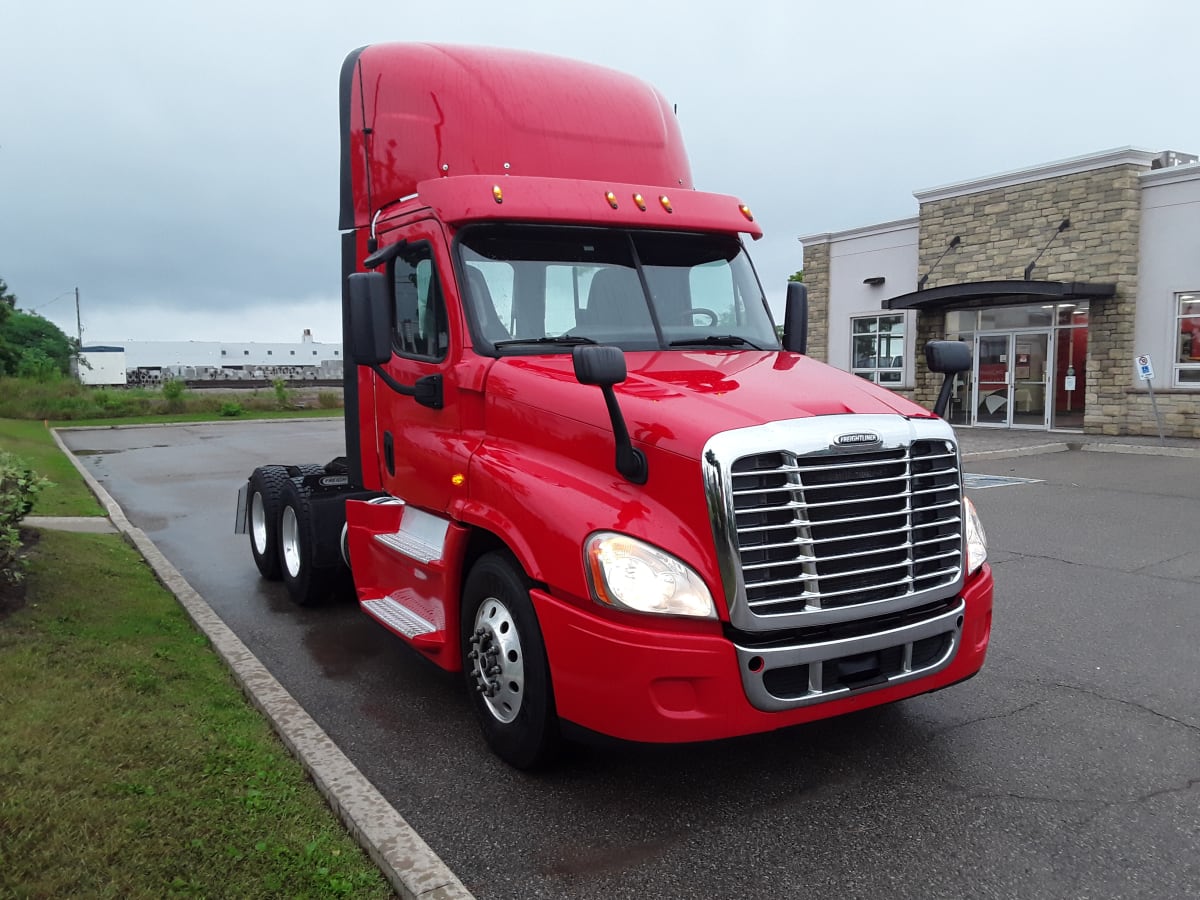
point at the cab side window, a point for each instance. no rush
(420, 319)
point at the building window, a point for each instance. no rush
(314, 353)
(337, 352)
(245, 353)
(1187, 334)
(877, 348)
(222, 352)
(270, 352)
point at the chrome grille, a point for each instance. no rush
(834, 518)
(817, 532)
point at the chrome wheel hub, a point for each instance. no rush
(289, 541)
(258, 523)
(496, 660)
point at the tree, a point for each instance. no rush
(7, 302)
(797, 275)
(30, 343)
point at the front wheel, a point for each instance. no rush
(504, 660)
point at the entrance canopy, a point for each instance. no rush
(981, 294)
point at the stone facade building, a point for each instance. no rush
(1061, 277)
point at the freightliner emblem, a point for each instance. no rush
(857, 438)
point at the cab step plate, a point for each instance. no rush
(397, 617)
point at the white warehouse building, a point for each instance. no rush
(151, 362)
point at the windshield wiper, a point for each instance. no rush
(716, 340)
(567, 340)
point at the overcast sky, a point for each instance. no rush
(178, 162)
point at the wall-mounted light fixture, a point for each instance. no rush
(954, 242)
(874, 280)
(1062, 226)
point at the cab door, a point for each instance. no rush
(419, 438)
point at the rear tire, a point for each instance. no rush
(307, 585)
(504, 661)
(262, 518)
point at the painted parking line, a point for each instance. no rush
(979, 482)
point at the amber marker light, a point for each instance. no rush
(458, 480)
(612, 199)
(666, 203)
(640, 201)
(497, 193)
(745, 211)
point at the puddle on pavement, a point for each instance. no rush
(340, 649)
(594, 860)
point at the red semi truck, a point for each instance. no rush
(581, 467)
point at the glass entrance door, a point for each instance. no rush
(1011, 385)
(1031, 382)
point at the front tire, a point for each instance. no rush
(307, 585)
(504, 660)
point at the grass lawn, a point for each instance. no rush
(206, 417)
(130, 763)
(32, 441)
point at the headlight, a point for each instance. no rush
(630, 574)
(976, 538)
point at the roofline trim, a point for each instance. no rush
(1171, 175)
(830, 237)
(1087, 163)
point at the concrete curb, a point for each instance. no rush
(1140, 449)
(414, 870)
(1036, 450)
(1085, 446)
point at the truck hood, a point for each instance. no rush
(676, 400)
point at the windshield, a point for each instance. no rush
(533, 289)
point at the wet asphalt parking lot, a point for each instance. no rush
(1070, 767)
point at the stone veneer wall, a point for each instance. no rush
(1180, 411)
(816, 279)
(1003, 229)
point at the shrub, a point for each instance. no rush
(36, 364)
(18, 486)
(282, 395)
(230, 409)
(172, 392)
(172, 389)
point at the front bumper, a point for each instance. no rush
(660, 686)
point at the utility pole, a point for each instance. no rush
(78, 320)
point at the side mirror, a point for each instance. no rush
(605, 366)
(599, 364)
(949, 358)
(370, 319)
(795, 318)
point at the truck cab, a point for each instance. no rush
(582, 466)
